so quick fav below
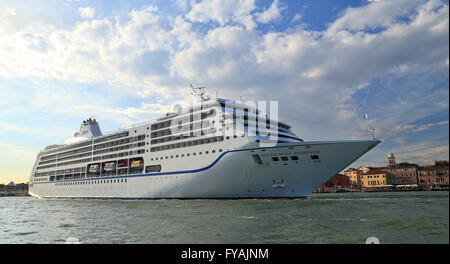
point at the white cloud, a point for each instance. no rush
(182, 4)
(417, 128)
(86, 12)
(8, 20)
(296, 18)
(426, 152)
(8, 12)
(223, 12)
(375, 15)
(315, 74)
(271, 14)
(14, 128)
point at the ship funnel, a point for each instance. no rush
(89, 129)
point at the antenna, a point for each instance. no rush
(371, 130)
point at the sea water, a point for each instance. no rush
(390, 217)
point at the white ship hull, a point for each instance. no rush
(229, 174)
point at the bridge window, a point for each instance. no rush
(257, 159)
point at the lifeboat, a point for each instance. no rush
(94, 168)
(123, 163)
(109, 166)
(137, 163)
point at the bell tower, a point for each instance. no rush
(391, 159)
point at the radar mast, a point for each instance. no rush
(200, 92)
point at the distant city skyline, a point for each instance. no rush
(327, 63)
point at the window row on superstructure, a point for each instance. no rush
(187, 143)
(74, 162)
(185, 135)
(76, 151)
(75, 156)
(118, 148)
(186, 120)
(100, 146)
(57, 148)
(53, 173)
(111, 137)
(47, 162)
(49, 157)
(184, 127)
(122, 154)
(120, 142)
(258, 120)
(78, 145)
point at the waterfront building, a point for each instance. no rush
(339, 181)
(432, 176)
(353, 175)
(375, 177)
(364, 169)
(403, 173)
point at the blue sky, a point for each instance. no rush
(327, 63)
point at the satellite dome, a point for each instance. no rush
(177, 108)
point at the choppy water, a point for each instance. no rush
(406, 217)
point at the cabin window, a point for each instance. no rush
(275, 159)
(294, 158)
(284, 158)
(314, 157)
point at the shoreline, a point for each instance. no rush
(384, 189)
(340, 190)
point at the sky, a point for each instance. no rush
(327, 63)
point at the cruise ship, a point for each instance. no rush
(216, 148)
